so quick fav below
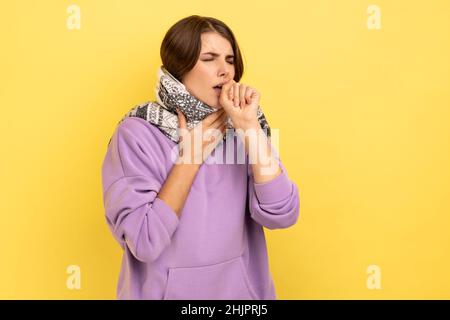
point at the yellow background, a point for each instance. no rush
(364, 132)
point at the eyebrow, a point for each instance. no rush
(216, 54)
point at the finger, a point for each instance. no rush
(228, 89)
(242, 89)
(236, 94)
(257, 94)
(182, 127)
(225, 89)
(248, 95)
(181, 119)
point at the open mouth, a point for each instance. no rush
(217, 89)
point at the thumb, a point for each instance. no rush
(181, 119)
(181, 125)
(227, 90)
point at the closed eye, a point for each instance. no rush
(232, 62)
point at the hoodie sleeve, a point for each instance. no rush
(274, 204)
(133, 172)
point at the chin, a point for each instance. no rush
(215, 105)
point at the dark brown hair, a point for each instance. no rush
(182, 44)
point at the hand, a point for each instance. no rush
(240, 102)
(209, 131)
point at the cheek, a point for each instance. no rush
(206, 74)
(200, 81)
(202, 84)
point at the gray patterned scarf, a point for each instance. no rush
(171, 93)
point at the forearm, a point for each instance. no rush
(177, 185)
(264, 165)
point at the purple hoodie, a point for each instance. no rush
(217, 248)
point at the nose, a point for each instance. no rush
(225, 69)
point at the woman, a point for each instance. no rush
(189, 228)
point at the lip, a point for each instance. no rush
(221, 83)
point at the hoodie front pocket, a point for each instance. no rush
(226, 280)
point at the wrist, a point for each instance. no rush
(187, 164)
(247, 124)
